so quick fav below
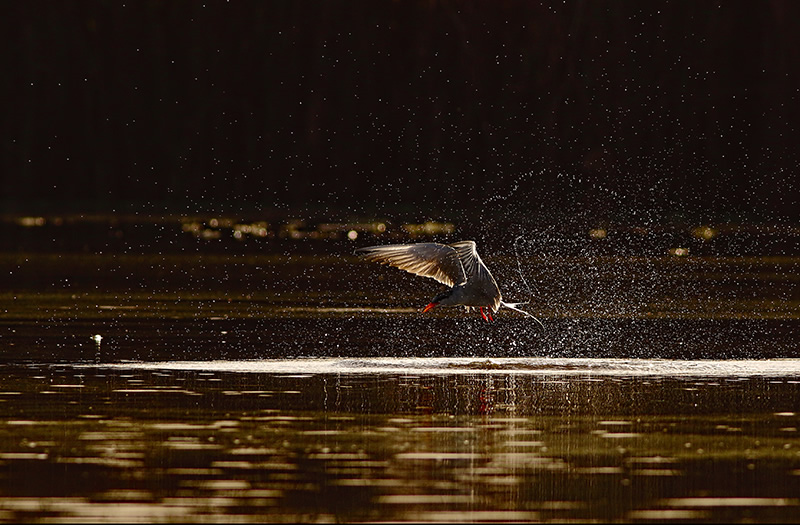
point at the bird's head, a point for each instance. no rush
(438, 299)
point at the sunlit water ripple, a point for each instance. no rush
(504, 366)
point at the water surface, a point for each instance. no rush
(196, 387)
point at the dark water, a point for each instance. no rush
(247, 387)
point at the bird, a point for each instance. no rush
(456, 265)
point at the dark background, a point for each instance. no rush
(637, 112)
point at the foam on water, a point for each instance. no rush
(466, 365)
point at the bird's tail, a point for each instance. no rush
(514, 306)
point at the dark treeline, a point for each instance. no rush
(665, 109)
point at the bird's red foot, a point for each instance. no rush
(483, 314)
(489, 313)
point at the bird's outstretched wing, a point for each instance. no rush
(470, 259)
(477, 272)
(428, 259)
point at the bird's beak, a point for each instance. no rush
(431, 306)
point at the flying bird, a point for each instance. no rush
(456, 265)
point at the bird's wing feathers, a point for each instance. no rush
(469, 257)
(473, 265)
(427, 259)
(477, 271)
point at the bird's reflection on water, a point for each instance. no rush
(117, 443)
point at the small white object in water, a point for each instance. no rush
(97, 338)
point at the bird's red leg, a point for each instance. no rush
(489, 313)
(483, 314)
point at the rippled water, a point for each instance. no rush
(240, 441)
(277, 388)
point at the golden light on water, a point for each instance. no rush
(429, 228)
(29, 222)
(598, 233)
(705, 233)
